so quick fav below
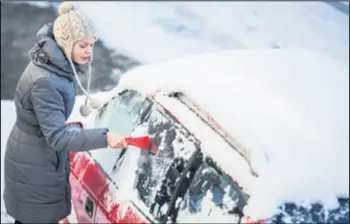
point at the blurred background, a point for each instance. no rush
(135, 33)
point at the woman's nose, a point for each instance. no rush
(88, 50)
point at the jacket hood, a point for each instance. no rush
(46, 53)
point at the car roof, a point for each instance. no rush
(265, 98)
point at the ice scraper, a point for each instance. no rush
(143, 142)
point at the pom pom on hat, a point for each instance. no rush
(84, 110)
(65, 8)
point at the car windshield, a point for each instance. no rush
(121, 115)
(212, 197)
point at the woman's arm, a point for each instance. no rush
(49, 109)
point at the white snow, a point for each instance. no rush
(286, 106)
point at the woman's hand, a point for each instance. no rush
(116, 141)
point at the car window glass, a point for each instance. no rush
(121, 116)
(157, 175)
(212, 196)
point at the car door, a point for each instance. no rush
(79, 192)
(90, 170)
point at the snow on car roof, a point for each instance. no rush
(289, 107)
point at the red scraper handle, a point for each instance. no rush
(140, 142)
(143, 142)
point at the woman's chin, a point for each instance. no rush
(81, 61)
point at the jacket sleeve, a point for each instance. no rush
(49, 108)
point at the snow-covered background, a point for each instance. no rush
(159, 31)
(156, 31)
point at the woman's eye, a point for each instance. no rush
(86, 45)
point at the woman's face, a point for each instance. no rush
(82, 50)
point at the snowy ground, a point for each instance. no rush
(158, 31)
(7, 108)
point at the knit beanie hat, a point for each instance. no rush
(73, 25)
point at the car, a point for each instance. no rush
(242, 136)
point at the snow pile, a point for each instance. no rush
(289, 107)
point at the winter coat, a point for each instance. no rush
(37, 168)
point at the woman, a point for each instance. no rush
(37, 188)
